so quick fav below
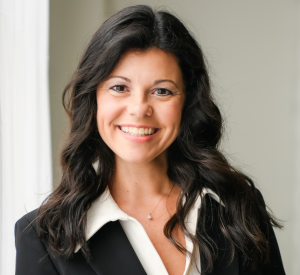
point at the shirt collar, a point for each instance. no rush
(104, 209)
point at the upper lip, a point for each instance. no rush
(137, 126)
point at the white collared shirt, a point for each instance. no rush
(104, 209)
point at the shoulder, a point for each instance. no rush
(31, 254)
(209, 225)
(25, 229)
(29, 217)
(214, 207)
(26, 222)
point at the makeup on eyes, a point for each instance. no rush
(119, 87)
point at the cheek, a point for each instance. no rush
(172, 115)
(107, 111)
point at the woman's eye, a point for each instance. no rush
(163, 92)
(118, 88)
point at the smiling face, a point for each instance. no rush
(139, 105)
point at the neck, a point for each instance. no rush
(141, 181)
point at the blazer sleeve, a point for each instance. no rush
(31, 255)
(275, 265)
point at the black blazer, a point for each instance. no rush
(112, 253)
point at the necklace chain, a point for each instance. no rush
(149, 214)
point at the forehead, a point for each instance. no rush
(153, 62)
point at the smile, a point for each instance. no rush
(138, 132)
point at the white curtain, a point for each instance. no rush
(25, 144)
(296, 251)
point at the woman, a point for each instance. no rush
(144, 188)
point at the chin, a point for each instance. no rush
(135, 159)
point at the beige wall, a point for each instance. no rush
(72, 23)
(251, 48)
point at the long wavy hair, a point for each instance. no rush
(194, 160)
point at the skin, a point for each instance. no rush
(130, 96)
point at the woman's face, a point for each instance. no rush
(139, 105)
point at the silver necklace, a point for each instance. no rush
(148, 214)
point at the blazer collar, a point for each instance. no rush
(104, 209)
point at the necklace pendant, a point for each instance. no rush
(149, 216)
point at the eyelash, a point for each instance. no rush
(124, 86)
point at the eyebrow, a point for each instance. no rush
(155, 82)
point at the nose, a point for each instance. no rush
(139, 105)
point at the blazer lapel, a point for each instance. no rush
(76, 265)
(112, 252)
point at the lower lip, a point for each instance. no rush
(138, 139)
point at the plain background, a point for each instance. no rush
(252, 50)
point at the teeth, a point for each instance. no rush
(141, 131)
(135, 131)
(138, 131)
